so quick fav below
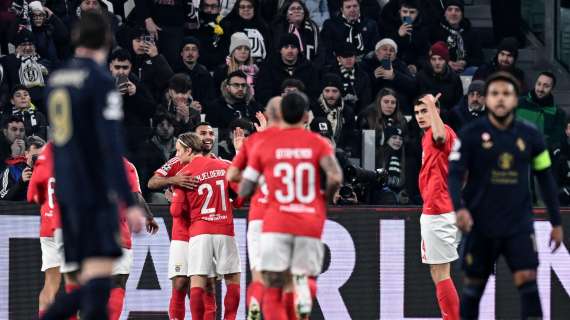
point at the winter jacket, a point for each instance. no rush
(460, 115)
(225, 109)
(181, 126)
(203, 88)
(163, 13)
(448, 84)
(470, 48)
(52, 40)
(273, 72)
(363, 34)
(311, 43)
(12, 187)
(412, 49)
(35, 122)
(212, 52)
(360, 90)
(430, 10)
(342, 121)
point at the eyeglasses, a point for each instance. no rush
(246, 7)
(238, 85)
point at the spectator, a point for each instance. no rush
(202, 82)
(208, 34)
(391, 157)
(138, 104)
(156, 151)
(438, 77)
(239, 59)
(98, 5)
(470, 108)
(331, 106)
(504, 60)
(386, 70)
(245, 18)
(226, 147)
(431, 11)
(26, 67)
(411, 33)
(180, 105)
(35, 122)
(7, 19)
(50, 34)
(384, 112)
(349, 27)
(13, 138)
(355, 81)
(564, 167)
(294, 18)
(236, 102)
(318, 11)
(463, 43)
(64, 10)
(288, 64)
(538, 107)
(148, 64)
(18, 171)
(291, 85)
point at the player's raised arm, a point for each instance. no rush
(437, 126)
(332, 169)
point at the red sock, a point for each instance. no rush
(177, 309)
(68, 289)
(197, 302)
(255, 290)
(448, 299)
(289, 302)
(273, 308)
(231, 301)
(209, 306)
(313, 287)
(115, 304)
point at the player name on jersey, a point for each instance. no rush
(293, 153)
(211, 174)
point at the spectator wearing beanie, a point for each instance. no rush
(504, 60)
(470, 108)
(288, 63)
(50, 34)
(203, 88)
(239, 59)
(437, 77)
(391, 157)
(463, 43)
(330, 105)
(395, 76)
(349, 26)
(411, 33)
(245, 18)
(355, 81)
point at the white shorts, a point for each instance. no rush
(204, 249)
(51, 257)
(440, 238)
(253, 244)
(282, 251)
(124, 263)
(178, 259)
(64, 266)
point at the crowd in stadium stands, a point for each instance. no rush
(177, 65)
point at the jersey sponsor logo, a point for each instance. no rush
(487, 143)
(455, 154)
(114, 108)
(506, 161)
(521, 145)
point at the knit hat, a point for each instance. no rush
(331, 80)
(239, 39)
(23, 36)
(190, 40)
(387, 41)
(457, 3)
(439, 49)
(509, 44)
(322, 126)
(289, 40)
(392, 131)
(477, 86)
(345, 50)
(36, 6)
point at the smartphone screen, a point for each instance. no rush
(407, 20)
(121, 80)
(386, 64)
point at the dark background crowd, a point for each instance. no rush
(178, 63)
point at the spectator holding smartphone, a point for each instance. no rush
(180, 104)
(18, 171)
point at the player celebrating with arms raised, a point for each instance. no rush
(296, 212)
(439, 233)
(497, 153)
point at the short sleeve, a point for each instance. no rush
(449, 139)
(540, 155)
(178, 204)
(254, 166)
(167, 169)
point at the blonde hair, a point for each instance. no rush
(190, 140)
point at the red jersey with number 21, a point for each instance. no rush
(433, 174)
(289, 161)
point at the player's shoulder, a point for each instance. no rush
(78, 73)
(172, 161)
(474, 127)
(129, 165)
(526, 127)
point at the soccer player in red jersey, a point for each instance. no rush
(440, 235)
(257, 207)
(290, 162)
(210, 226)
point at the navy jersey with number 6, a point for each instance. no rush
(85, 113)
(498, 166)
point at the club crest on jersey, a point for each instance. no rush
(487, 143)
(506, 161)
(521, 145)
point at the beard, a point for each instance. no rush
(501, 119)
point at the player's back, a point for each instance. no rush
(290, 162)
(209, 203)
(80, 97)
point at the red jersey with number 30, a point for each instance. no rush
(289, 161)
(433, 174)
(41, 190)
(208, 205)
(258, 204)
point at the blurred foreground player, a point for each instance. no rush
(439, 232)
(257, 207)
(208, 212)
(291, 164)
(497, 153)
(85, 111)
